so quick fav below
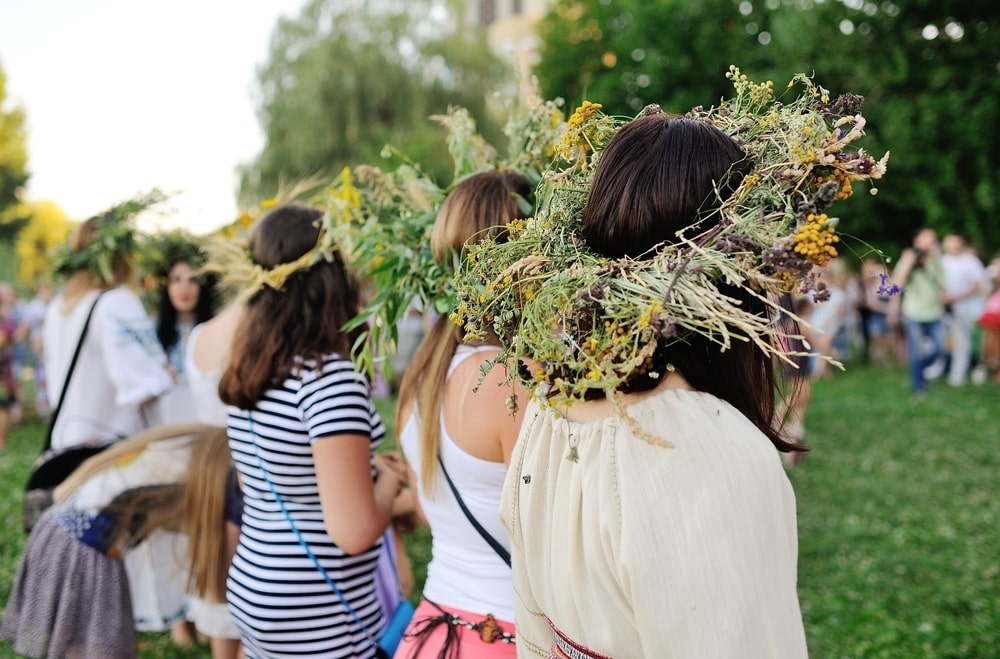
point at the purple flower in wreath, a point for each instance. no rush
(885, 288)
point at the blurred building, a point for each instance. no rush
(510, 28)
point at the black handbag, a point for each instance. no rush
(53, 466)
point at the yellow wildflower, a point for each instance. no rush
(816, 238)
(582, 114)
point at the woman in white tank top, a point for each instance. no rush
(448, 423)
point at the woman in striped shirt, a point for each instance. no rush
(303, 432)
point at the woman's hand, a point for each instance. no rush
(356, 511)
(405, 517)
(390, 465)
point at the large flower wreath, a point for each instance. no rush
(586, 322)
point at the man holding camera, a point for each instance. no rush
(921, 276)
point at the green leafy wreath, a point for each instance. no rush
(115, 236)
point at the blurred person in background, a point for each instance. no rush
(8, 338)
(34, 316)
(184, 298)
(13, 341)
(989, 322)
(116, 385)
(71, 595)
(920, 274)
(964, 297)
(831, 322)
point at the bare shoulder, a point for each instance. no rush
(211, 344)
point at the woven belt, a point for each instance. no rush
(488, 629)
(567, 647)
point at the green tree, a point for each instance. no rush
(47, 227)
(928, 72)
(13, 165)
(630, 53)
(343, 80)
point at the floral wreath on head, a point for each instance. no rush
(160, 252)
(115, 235)
(382, 218)
(586, 322)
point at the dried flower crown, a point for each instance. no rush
(587, 322)
(542, 291)
(230, 256)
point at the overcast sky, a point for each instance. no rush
(123, 95)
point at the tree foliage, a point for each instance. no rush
(630, 53)
(47, 227)
(13, 164)
(927, 69)
(343, 80)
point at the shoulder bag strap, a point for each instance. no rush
(497, 547)
(69, 374)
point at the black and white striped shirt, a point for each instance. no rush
(280, 601)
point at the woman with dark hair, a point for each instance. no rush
(678, 546)
(303, 432)
(186, 299)
(448, 423)
(659, 180)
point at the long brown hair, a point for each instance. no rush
(301, 322)
(203, 503)
(479, 206)
(194, 505)
(661, 178)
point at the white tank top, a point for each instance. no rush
(464, 572)
(204, 386)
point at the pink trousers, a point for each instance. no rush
(438, 636)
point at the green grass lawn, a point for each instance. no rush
(899, 520)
